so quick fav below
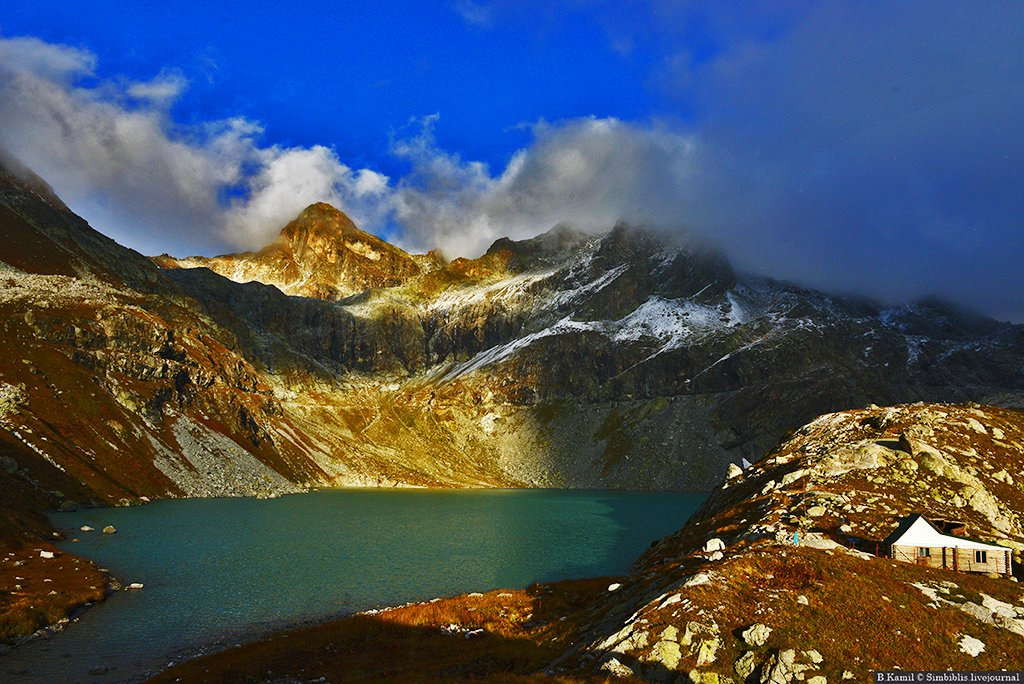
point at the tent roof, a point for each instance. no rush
(916, 530)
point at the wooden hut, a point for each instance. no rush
(919, 541)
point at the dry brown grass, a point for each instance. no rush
(862, 615)
(524, 631)
(36, 592)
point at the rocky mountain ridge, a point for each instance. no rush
(320, 254)
(586, 345)
(624, 359)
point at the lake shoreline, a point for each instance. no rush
(505, 632)
(47, 590)
(12, 640)
(586, 529)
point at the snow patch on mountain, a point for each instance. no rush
(666, 318)
(500, 352)
(589, 289)
(507, 289)
(671, 321)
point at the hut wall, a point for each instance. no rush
(964, 560)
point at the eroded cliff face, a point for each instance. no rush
(116, 385)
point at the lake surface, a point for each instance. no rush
(226, 570)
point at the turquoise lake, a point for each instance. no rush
(227, 570)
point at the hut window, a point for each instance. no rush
(981, 556)
(924, 553)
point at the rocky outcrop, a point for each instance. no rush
(795, 586)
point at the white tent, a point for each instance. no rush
(922, 533)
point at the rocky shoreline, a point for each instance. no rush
(45, 589)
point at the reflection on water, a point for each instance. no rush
(227, 569)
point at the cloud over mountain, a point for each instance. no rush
(867, 150)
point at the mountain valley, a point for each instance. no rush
(619, 359)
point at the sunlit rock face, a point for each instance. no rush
(321, 254)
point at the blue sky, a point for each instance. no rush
(350, 74)
(857, 146)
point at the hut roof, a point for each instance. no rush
(916, 530)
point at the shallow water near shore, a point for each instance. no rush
(227, 570)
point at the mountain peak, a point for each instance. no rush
(317, 223)
(320, 253)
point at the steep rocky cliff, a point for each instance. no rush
(115, 384)
(622, 359)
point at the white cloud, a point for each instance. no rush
(162, 90)
(54, 62)
(111, 150)
(292, 179)
(871, 151)
(587, 172)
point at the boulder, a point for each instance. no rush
(971, 646)
(864, 455)
(714, 544)
(1003, 476)
(697, 580)
(666, 654)
(780, 668)
(746, 664)
(790, 478)
(707, 649)
(756, 635)
(615, 668)
(109, 529)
